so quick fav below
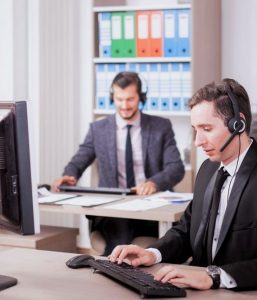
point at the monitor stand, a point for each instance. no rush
(7, 281)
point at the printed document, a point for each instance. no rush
(90, 200)
(45, 196)
(153, 201)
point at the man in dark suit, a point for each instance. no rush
(221, 118)
(156, 163)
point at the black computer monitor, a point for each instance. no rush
(18, 203)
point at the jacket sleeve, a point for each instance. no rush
(175, 244)
(82, 158)
(172, 168)
(244, 273)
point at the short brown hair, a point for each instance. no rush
(124, 79)
(216, 92)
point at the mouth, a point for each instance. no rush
(208, 151)
(125, 111)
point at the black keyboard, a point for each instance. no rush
(135, 278)
(100, 190)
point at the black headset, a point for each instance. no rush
(236, 125)
(141, 81)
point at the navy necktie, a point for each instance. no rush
(129, 160)
(220, 179)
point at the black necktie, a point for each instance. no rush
(129, 160)
(220, 179)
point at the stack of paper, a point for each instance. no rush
(45, 196)
(137, 205)
(153, 201)
(90, 200)
(171, 197)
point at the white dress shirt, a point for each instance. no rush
(136, 141)
(226, 281)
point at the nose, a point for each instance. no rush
(199, 139)
(124, 104)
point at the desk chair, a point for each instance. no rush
(98, 243)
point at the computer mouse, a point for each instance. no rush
(79, 261)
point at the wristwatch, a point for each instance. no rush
(214, 273)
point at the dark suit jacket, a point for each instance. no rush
(237, 245)
(162, 163)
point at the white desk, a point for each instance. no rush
(165, 214)
(43, 275)
(49, 238)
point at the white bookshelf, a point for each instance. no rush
(98, 60)
(205, 59)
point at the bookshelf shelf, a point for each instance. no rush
(108, 60)
(103, 112)
(138, 7)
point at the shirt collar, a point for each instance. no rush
(121, 123)
(236, 163)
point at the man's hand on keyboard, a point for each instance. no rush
(189, 278)
(134, 254)
(70, 180)
(146, 188)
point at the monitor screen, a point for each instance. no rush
(18, 206)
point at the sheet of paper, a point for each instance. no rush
(45, 196)
(90, 200)
(137, 205)
(171, 197)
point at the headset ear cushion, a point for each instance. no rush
(143, 97)
(111, 96)
(233, 125)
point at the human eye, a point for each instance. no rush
(206, 128)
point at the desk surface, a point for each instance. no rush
(44, 275)
(169, 213)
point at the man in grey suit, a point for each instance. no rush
(156, 166)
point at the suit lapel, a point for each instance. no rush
(198, 244)
(145, 133)
(110, 144)
(243, 174)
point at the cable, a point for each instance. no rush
(238, 155)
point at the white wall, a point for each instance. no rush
(239, 48)
(6, 49)
(239, 44)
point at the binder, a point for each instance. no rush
(175, 87)
(121, 67)
(104, 32)
(156, 33)
(183, 22)
(153, 83)
(143, 46)
(169, 33)
(176, 104)
(129, 34)
(144, 70)
(186, 89)
(116, 34)
(111, 72)
(100, 86)
(164, 86)
(132, 67)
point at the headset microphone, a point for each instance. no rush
(230, 139)
(236, 125)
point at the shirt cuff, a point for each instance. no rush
(157, 254)
(226, 281)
